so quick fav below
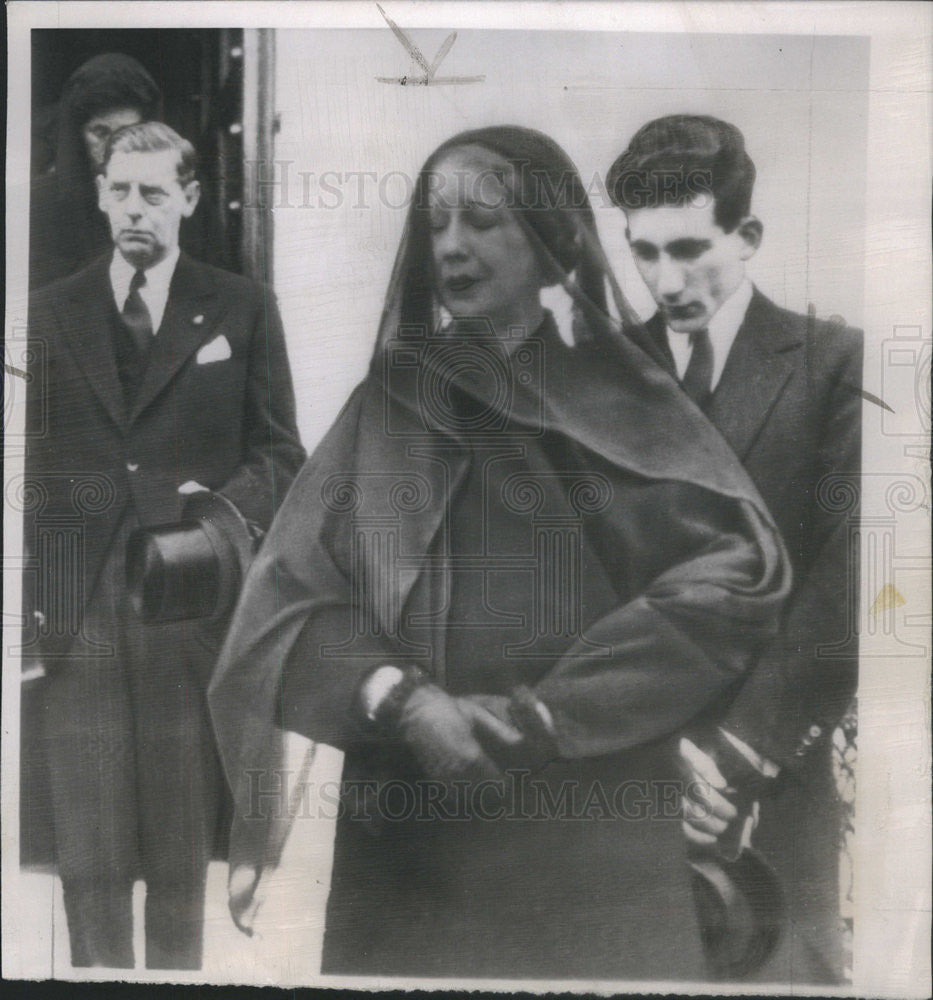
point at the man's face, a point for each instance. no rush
(689, 263)
(145, 203)
(98, 129)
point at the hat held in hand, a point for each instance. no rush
(193, 569)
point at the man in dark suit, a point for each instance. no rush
(156, 377)
(784, 391)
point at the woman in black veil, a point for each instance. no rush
(513, 570)
(67, 229)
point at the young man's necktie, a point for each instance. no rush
(136, 316)
(698, 378)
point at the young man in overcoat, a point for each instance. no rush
(784, 391)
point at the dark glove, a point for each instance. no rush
(439, 731)
(511, 729)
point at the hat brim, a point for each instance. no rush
(741, 910)
(215, 510)
(193, 569)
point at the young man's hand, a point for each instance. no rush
(720, 815)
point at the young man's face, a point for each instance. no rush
(145, 203)
(689, 263)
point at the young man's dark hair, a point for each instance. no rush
(672, 160)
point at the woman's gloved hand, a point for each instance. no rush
(439, 731)
(492, 723)
(467, 738)
(511, 730)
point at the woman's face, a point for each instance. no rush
(484, 265)
(98, 129)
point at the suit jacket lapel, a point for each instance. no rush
(87, 326)
(756, 371)
(191, 312)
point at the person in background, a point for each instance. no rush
(161, 377)
(784, 391)
(66, 229)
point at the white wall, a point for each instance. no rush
(800, 101)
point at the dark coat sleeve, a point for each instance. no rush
(702, 601)
(807, 675)
(298, 599)
(272, 451)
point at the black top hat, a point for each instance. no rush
(741, 910)
(193, 569)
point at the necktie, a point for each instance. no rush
(698, 378)
(136, 316)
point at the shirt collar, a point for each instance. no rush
(723, 328)
(158, 277)
(725, 323)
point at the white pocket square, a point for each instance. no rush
(216, 350)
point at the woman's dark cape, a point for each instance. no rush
(608, 400)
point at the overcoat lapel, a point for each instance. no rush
(191, 313)
(86, 323)
(758, 367)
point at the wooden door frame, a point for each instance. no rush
(258, 150)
